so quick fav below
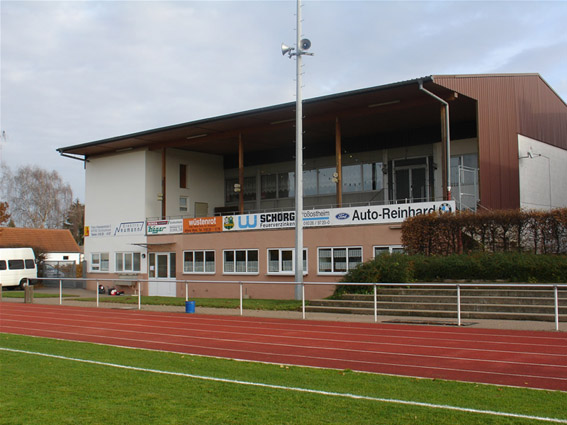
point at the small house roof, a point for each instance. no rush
(48, 240)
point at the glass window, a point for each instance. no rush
(128, 261)
(388, 249)
(250, 188)
(467, 160)
(99, 261)
(183, 176)
(16, 264)
(199, 262)
(268, 186)
(242, 261)
(2, 264)
(326, 186)
(230, 194)
(30, 264)
(286, 185)
(310, 182)
(282, 260)
(339, 260)
(183, 204)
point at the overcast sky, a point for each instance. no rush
(79, 71)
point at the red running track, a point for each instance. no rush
(501, 357)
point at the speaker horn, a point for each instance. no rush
(286, 49)
(305, 44)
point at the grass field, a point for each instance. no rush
(51, 390)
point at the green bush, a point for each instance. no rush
(483, 266)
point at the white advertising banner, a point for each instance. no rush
(379, 214)
(164, 227)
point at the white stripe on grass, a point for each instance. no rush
(304, 390)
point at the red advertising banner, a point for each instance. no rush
(202, 225)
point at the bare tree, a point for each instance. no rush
(38, 198)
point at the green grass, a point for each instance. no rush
(43, 390)
(21, 294)
(248, 304)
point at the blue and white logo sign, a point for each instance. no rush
(342, 216)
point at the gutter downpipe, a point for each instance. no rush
(448, 148)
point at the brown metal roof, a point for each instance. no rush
(48, 240)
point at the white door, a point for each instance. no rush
(162, 274)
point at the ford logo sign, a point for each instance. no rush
(342, 216)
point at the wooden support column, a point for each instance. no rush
(163, 184)
(445, 168)
(241, 173)
(339, 162)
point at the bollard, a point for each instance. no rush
(28, 294)
(189, 306)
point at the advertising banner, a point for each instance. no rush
(164, 227)
(202, 225)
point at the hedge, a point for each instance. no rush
(480, 266)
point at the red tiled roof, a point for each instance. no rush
(48, 240)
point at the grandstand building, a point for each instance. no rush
(213, 200)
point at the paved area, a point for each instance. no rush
(72, 293)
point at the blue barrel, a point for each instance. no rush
(189, 306)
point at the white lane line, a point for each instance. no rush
(297, 389)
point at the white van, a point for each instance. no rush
(17, 267)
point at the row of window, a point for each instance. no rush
(17, 264)
(331, 260)
(320, 181)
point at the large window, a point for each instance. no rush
(128, 261)
(249, 189)
(99, 261)
(198, 261)
(468, 162)
(240, 261)
(339, 260)
(282, 261)
(362, 177)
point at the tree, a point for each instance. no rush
(4, 216)
(38, 198)
(75, 221)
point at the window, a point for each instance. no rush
(16, 264)
(466, 174)
(249, 189)
(388, 249)
(199, 262)
(183, 176)
(2, 264)
(268, 186)
(128, 261)
(99, 261)
(282, 261)
(183, 204)
(244, 261)
(30, 264)
(339, 260)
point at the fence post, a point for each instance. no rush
(556, 296)
(60, 291)
(459, 305)
(139, 295)
(375, 304)
(241, 300)
(186, 291)
(303, 299)
(97, 293)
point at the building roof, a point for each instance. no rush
(48, 240)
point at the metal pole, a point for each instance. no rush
(97, 295)
(556, 295)
(186, 291)
(60, 291)
(375, 304)
(458, 305)
(241, 300)
(139, 295)
(298, 162)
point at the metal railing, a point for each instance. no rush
(458, 286)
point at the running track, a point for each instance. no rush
(501, 357)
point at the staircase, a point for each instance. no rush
(527, 303)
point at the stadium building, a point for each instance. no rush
(213, 200)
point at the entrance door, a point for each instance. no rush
(162, 274)
(411, 183)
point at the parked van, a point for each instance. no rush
(17, 267)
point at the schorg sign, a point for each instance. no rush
(335, 216)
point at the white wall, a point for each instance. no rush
(543, 174)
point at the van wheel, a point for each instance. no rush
(22, 284)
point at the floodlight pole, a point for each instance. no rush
(298, 163)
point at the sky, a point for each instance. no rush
(74, 72)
